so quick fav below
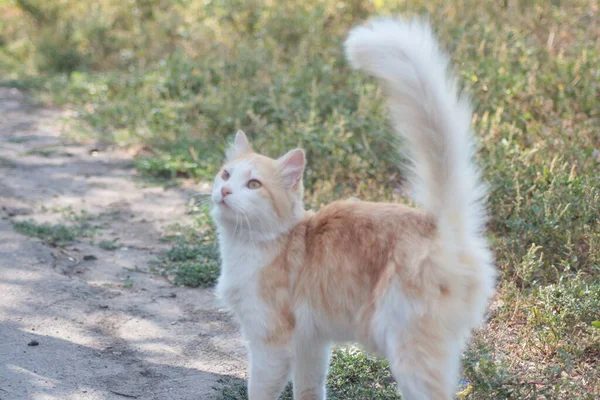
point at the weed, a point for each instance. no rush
(232, 390)
(77, 224)
(355, 374)
(55, 235)
(48, 152)
(239, 391)
(21, 139)
(193, 259)
(195, 266)
(109, 245)
(71, 215)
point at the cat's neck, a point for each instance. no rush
(253, 238)
(257, 234)
(252, 249)
(244, 253)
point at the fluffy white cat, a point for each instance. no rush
(407, 283)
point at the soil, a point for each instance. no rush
(106, 327)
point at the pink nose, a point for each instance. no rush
(225, 191)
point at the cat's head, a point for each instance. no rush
(254, 194)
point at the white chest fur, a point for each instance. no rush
(238, 285)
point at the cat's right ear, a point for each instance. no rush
(240, 146)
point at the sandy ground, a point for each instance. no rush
(99, 336)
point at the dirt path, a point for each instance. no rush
(106, 328)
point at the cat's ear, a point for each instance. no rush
(291, 167)
(240, 146)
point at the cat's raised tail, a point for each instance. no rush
(430, 116)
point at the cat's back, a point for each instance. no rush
(362, 237)
(356, 221)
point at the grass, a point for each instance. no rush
(357, 375)
(48, 152)
(109, 245)
(193, 259)
(195, 265)
(181, 77)
(77, 224)
(55, 235)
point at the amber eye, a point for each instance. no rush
(254, 184)
(225, 175)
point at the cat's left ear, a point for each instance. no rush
(240, 146)
(291, 167)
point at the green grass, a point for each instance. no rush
(48, 152)
(109, 245)
(75, 224)
(195, 265)
(55, 235)
(20, 139)
(193, 259)
(357, 375)
(181, 77)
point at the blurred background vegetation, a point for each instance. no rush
(179, 77)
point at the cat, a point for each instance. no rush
(407, 283)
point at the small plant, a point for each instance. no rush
(77, 224)
(355, 374)
(197, 274)
(55, 235)
(232, 390)
(109, 245)
(48, 152)
(488, 377)
(236, 390)
(71, 215)
(192, 265)
(193, 259)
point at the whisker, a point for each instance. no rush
(202, 202)
(236, 224)
(198, 195)
(248, 222)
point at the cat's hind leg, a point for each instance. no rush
(424, 355)
(425, 365)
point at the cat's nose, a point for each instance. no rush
(225, 191)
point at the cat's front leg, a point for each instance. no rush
(269, 370)
(311, 360)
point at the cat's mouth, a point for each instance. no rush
(223, 204)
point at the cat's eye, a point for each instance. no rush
(225, 175)
(254, 184)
